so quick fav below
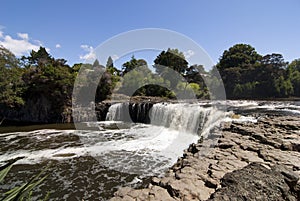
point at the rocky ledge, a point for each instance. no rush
(250, 161)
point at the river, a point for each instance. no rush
(94, 160)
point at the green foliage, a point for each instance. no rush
(11, 84)
(23, 192)
(132, 81)
(132, 64)
(4, 172)
(246, 90)
(293, 72)
(171, 58)
(237, 67)
(246, 74)
(51, 79)
(240, 55)
(169, 61)
(142, 82)
(197, 90)
(190, 90)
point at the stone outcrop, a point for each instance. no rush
(38, 109)
(250, 161)
(258, 182)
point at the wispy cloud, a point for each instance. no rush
(115, 57)
(20, 45)
(188, 54)
(58, 46)
(90, 54)
(23, 36)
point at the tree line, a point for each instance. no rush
(245, 73)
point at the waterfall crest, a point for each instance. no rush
(118, 112)
(184, 117)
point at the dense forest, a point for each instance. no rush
(38, 82)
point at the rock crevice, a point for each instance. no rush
(250, 161)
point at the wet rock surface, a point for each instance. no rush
(249, 161)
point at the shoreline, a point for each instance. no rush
(247, 155)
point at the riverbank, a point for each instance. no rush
(251, 161)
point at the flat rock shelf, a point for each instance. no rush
(251, 161)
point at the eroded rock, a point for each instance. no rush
(251, 161)
(256, 182)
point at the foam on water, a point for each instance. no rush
(279, 107)
(242, 103)
(136, 148)
(139, 149)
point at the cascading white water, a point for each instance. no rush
(118, 112)
(182, 117)
(110, 155)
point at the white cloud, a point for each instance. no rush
(21, 45)
(188, 54)
(1, 34)
(23, 36)
(58, 46)
(90, 54)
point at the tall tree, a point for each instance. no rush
(96, 63)
(239, 55)
(271, 76)
(169, 61)
(49, 83)
(37, 58)
(173, 59)
(11, 84)
(110, 62)
(237, 67)
(275, 60)
(132, 64)
(293, 72)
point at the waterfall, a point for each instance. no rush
(118, 112)
(129, 112)
(191, 118)
(182, 117)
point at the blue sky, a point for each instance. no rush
(70, 29)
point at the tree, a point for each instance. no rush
(169, 61)
(194, 74)
(39, 58)
(112, 70)
(110, 62)
(274, 59)
(11, 84)
(132, 64)
(173, 59)
(293, 72)
(270, 74)
(237, 67)
(96, 63)
(295, 64)
(240, 55)
(49, 83)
